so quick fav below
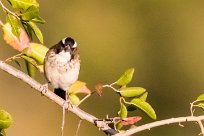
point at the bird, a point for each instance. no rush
(62, 66)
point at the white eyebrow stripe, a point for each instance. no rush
(63, 40)
(75, 45)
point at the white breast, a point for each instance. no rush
(60, 71)
(63, 56)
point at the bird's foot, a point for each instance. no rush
(44, 89)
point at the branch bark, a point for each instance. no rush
(148, 126)
(61, 102)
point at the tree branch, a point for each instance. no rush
(164, 122)
(88, 117)
(61, 102)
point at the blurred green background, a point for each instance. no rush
(162, 39)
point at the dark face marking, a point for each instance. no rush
(68, 42)
(68, 45)
(65, 44)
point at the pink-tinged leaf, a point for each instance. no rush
(17, 43)
(79, 87)
(130, 120)
(84, 90)
(9, 37)
(24, 40)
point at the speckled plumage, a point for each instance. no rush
(62, 65)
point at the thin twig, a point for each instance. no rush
(82, 100)
(164, 122)
(63, 115)
(78, 127)
(17, 56)
(63, 121)
(7, 10)
(49, 94)
(110, 86)
(201, 126)
(191, 107)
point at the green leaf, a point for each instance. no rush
(126, 77)
(28, 30)
(200, 98)
(5, 119)
(37, 31)
(201, 105)
(33, 62)
(132, 107)
(2, 132)
(143, 97)
(30, 69)
(74, 99)
(23, 4)
(38, 19)
(13, 21)
(123, 111)
(31, 13)
(146, 107)
(37, 52)
(30, 60)
(131, 91)
(119, 125)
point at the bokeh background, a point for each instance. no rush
(162, 39)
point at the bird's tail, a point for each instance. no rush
(61, 93)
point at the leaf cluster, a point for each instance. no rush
(21, 24)
(27, 15)
(132, 99)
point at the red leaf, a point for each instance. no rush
(130, 120)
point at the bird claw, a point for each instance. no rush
(43, 89)
(67, 104)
